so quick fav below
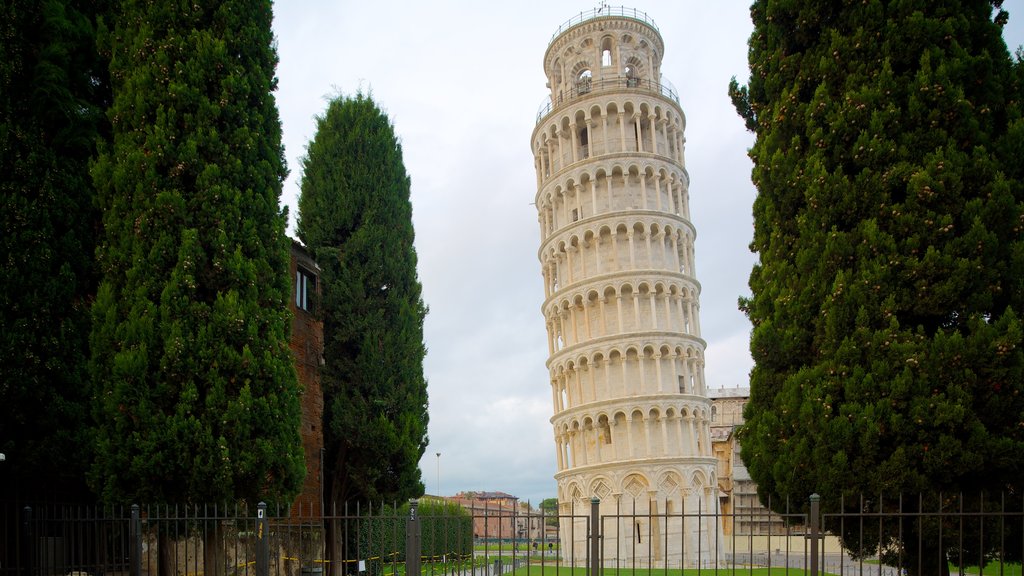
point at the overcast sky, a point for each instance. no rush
(462, 81)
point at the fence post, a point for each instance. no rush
(594, 567)
(28, 540)
(262, 544)
(135, 536)
(413, 549)
(815, 532)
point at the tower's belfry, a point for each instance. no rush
(626, 360)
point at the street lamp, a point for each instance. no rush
(438, 485)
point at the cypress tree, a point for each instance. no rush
(888, 223)
(53, 91)
(356, 217)
(197, 399)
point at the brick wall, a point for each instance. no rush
(307, 347)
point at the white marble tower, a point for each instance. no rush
(626, 360)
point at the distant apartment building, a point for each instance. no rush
(501, 516)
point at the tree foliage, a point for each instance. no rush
(196, 394)
(356, 217)
(888, 223)
(53, 90)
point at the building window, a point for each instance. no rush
(305, 287)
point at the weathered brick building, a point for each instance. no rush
(307, 344)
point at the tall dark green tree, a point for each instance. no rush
(888, 223)
(196, 397)
(356, 218)
(53, 91)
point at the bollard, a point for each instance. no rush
(594, 566)
(262, 544)
(413, 549)
(815, 532)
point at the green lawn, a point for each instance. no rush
(993, 569)
(535, 570)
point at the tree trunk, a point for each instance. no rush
(166, 549)
(213, 548)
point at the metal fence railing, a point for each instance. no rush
(879, 536)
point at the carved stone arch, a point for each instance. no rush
(580, 117)
(648, 350)
(643, 287)
(577, 300)
(633, 350)
(635, 485)
(594, 113)
(612, 109)
(638, 229)
(583, 362)
(609, 293)
(633, 67)
(564, 123)
(601, 487)
(551, 133)
(671, 412)
(581, 67)
(665, 350)
(654, 413)
(619, 417)
(698, 480)
(616, 348)
(626, 289)
(628, 108)
(575, 494)
(670, 482)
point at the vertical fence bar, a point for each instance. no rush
(594, 568)
(815, 515)
(135, 542)
(413, 548)
(262, 541)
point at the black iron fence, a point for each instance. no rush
(876, 536)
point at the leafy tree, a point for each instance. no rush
(196, 394)
(885, 304)
(53, 91)
(549, 507)
(356, 218)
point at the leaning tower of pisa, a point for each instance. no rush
(626, 360)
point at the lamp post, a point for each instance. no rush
(438, 485)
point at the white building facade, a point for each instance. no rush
(626, 360)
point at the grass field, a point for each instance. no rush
(535, 570)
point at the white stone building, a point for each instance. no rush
(626, 360)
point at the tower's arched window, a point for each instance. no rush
(606, 57)
(632, 80)
(583, 81)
